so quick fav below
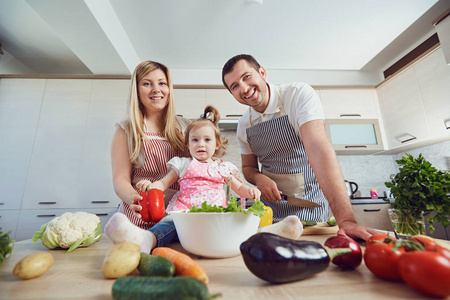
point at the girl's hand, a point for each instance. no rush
(254, 192)
(143, 184)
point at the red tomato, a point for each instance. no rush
(382, 262)
(443, 251)
(378, 237)
(427, 242)
(426, 272)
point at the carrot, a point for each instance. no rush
(184, 265)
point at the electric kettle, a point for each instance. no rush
(352, 188)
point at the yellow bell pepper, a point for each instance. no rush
(267, 218)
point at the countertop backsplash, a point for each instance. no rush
(368, 171)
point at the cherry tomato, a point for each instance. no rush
(426, 272)
(382, 261)
(378, 237)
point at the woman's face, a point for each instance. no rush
(202, 143)
(153, 91)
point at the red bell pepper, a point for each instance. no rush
(153, 208)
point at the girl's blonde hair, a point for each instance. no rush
(170, 127)
(210, 117)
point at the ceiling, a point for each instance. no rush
(323, 42)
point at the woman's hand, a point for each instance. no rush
(134, 206)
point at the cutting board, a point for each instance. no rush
(320, 228)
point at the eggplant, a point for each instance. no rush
(279, 260)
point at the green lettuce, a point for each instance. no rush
(257, 208)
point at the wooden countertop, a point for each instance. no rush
(77, 275)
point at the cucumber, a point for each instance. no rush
(160, 288)
(309, 223)
(152, 265)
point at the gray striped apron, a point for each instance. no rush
(282, 156)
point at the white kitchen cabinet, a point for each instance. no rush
(107, 106)
(58, 144)
(20, 105)
(189, 103)
(228, 106)
(402, 109)
(9, 219)
(350, 103)
(373, 215)
(433, 77)
(354, 136)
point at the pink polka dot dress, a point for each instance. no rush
(199, 182)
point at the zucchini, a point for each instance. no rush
(153, 265)
(160, 288)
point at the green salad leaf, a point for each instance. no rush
(257, 208)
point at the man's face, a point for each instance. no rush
(248, 85)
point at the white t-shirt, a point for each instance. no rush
(300, 102)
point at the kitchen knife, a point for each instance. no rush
(299, 202)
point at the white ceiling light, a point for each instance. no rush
(442, 25)
(256, 1)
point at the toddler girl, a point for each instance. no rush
(201, 179)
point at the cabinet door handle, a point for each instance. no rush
(405, 138)
(233, 116)
(371, 210)
(1, 203)
(99, 202)
(47, 202)
(355, 146)
(102, 214)
(350, 115)
(46, 216)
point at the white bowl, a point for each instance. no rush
(215, 235)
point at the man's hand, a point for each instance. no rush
(268, 188)
(355, 231)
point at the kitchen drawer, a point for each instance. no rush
(373, 215)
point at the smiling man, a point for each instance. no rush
(284, 132)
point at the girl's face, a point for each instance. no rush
(202, 143)
(153, 91)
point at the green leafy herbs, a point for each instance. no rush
(419, 188)
(257, 208)
(6, 245)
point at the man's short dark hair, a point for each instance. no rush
(229, 65)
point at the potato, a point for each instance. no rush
(33, 265)
(121, 260)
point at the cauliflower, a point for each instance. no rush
(70, 230)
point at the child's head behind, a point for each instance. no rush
(207, 124)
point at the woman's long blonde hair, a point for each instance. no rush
(210, 117)
(136, 111)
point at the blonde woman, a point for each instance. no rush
(150, 136)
